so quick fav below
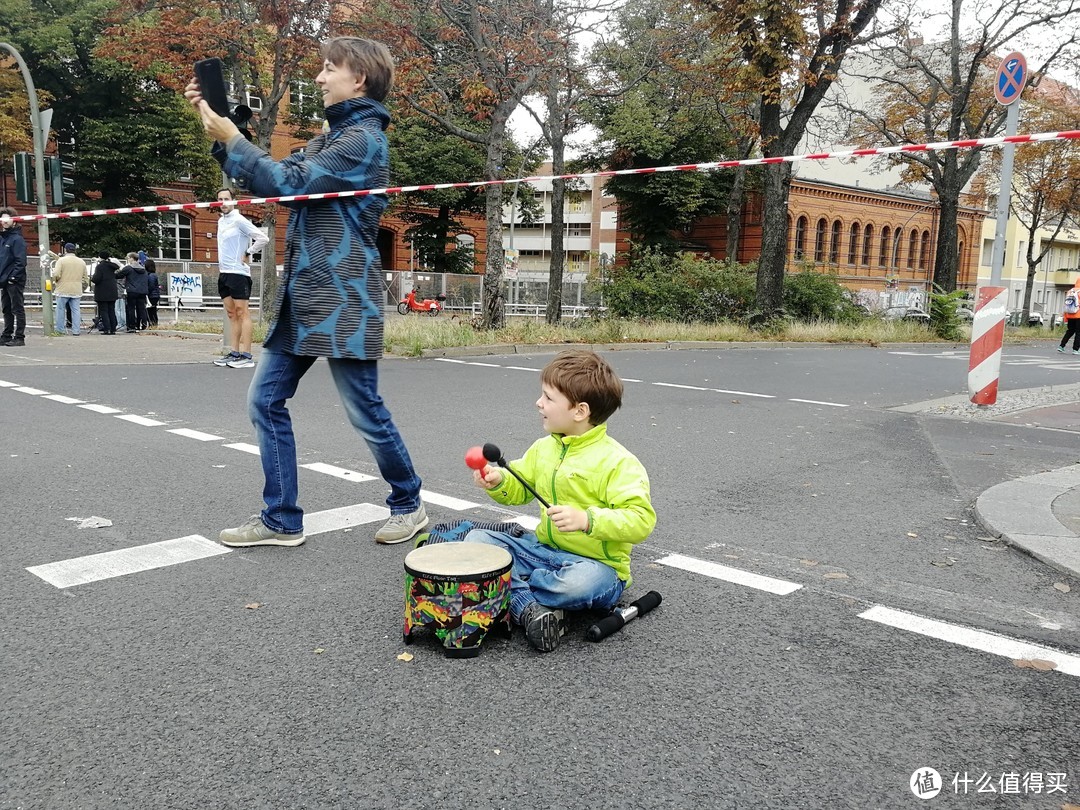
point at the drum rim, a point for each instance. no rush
(478, 576)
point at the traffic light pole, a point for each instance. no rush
(39, 187)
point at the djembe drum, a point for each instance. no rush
(462, 590)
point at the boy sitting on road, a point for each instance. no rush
(579, 555)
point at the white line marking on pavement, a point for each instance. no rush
(94, 567)
(448, 501)
(743, 393)
(100, 408)
(629, 379)
(676, 385)
(188, 433)
(486, 365)
(734, 575)
(243, 447)
(36, 392)
(528, 521)
(6, 384)
(343, 517)
(523, 368)
(139, 420)
(819, 402)
(337, 472)
(450, 360)
(973, 639)
(64, 400)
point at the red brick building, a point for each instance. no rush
(869, 239)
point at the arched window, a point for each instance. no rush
(897, 238)
(800, 238)
(819, 240)
(883, 254)
(834, 246)
(912, 248)
(924, 251)
(853, 244)
(868, 245)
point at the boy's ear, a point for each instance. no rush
(582, 412)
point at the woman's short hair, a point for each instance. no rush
(364, 57)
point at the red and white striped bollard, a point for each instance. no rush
(987, 332)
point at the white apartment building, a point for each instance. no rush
(591, 219)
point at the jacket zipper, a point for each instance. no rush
(554, 498)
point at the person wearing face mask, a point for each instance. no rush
(12, 279)
(237, 238)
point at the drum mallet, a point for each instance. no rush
(491, 453)
(619, 617)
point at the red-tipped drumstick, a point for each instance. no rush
(478, 457)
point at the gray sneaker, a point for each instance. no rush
(243, 361)
(256, 533)
(400, 528)
(225, 359)
(543, 626)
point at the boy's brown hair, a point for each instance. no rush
(364, 57)
(584, 376)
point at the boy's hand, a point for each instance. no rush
(488, 478)
(568, 518)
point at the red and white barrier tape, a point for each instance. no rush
(688, 167)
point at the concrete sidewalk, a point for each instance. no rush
(1039, 514)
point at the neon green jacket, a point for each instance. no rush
(592, 472)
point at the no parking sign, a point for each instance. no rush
(1011, 77)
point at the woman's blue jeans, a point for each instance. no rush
(553, 577)
(276, 378)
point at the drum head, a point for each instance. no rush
(458, 561)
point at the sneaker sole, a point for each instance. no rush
(394, 541)
(269, 541)
(543, 633)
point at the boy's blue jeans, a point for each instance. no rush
(553, 577)
(276, 378)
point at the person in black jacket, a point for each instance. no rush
(153, 290)
(137, 286)
(12, 279)
(106, 293)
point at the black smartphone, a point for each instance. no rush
(211, 79)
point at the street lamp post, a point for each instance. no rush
(39, 134)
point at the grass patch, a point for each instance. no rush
(409, 336)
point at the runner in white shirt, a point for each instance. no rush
(237, 238)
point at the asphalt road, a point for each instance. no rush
(161, 689)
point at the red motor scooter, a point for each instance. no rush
(431, 306)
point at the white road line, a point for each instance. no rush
(973, 639)
(487, 365)
(743, 393)
(344, 517)
(629, 379)
(528, 521)
(448, 501)
(819, 402)
(94, 567)
(139, 420)
(6, 384)
(64, 400)
(337, 472)
(734, 575)
(522, 368)
(36, 392)
(450, 360)
(109, 564)
(188, 433)
(676, 385)
(244, 447)
(100, 408)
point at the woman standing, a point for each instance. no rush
(106, 292)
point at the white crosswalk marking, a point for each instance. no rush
(337, 472)
(198, 435)
(734, 575)
(139, 420)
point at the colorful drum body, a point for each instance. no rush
(462, 590)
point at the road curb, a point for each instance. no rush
(1020, 512)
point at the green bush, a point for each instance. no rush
(681, 288)
(943, 319)
(814, 296)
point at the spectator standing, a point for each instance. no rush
(153, 291)
(12, 279)
(69, 280)
(136, 287)
(237, 239)
(106, 292)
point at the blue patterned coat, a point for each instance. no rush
(330, 301)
